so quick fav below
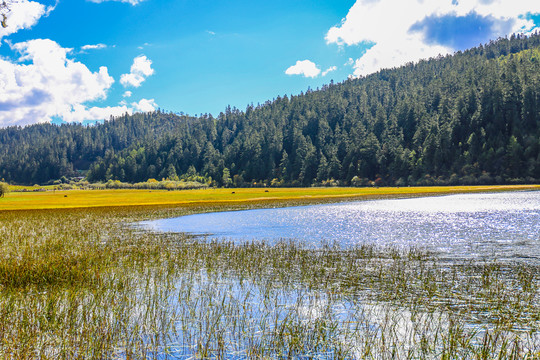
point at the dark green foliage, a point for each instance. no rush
(469, 118)
(43, 152)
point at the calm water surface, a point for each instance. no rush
(505, 226)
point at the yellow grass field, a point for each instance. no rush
(104, 198)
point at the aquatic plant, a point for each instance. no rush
(85, 284)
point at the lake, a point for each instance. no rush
(503, 226)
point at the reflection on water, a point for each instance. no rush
(505, 226)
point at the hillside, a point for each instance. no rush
(469, 118)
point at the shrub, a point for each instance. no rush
(4, 189)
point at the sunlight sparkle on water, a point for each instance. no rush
(487, 226)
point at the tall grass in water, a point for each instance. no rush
(81, 284)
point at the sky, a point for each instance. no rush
(87, 60)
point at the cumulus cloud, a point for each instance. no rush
(329, 70)
(145, 105)
(408, 30)
(305, 67)
(23, 15)
(127, 94)
(44, 83)
(81, 113)
(140, 70)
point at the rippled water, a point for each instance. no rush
(505, 226)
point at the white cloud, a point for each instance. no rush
(141, 47)
(23, 15)
(145, 105)
(305, 67)
(93, 47)
(81, 113)
(329, 70)
(127, 94)
(140, 70)
(44, 83)
(387, 24)
(132, 2)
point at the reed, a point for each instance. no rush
(82, 283)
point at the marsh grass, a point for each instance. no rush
(84, 284)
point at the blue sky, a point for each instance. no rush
(80, 60)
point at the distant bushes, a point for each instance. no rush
(4, 189)
(204, 183)
(151, 184)
(428, 180)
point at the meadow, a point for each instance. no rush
(76, 281)
(32, 198)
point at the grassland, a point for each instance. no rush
(79, 283)
(65, 199)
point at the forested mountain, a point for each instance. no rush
(43, 152)
(473, 117)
